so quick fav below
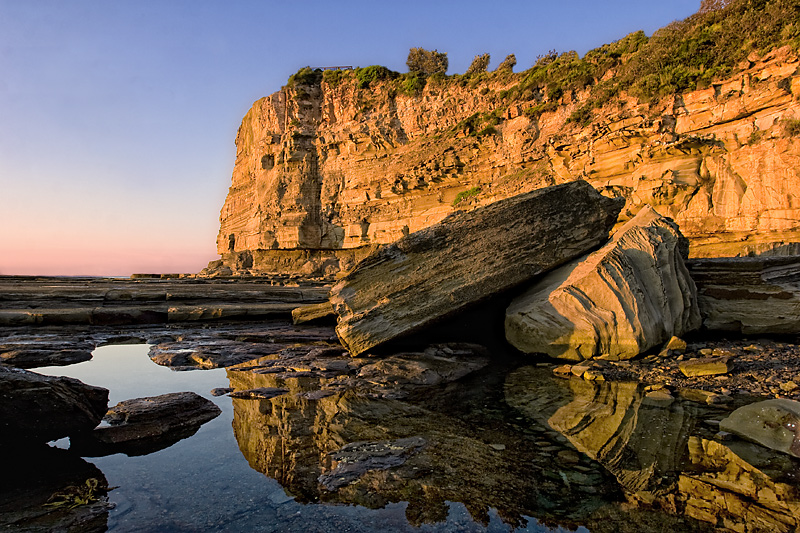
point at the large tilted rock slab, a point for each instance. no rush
(37, 408)
(750, 295)
(631, 295)
(466, 258)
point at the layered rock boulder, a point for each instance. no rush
(468, 257)
(39, 408)
(629, 296)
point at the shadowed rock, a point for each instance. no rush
(629, 296)
(144, 425)
(48, 490)
(41, 408)
(465, 259)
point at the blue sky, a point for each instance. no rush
(118, 117)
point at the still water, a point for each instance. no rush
(204, 482)
(508, 447)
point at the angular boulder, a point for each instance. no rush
(465, 259)
(41, 408)
(774, 424)
(629, 296)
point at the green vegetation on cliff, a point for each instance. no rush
(686, 55)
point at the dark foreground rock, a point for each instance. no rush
(631, 295)
(749, 295)
(47, 490)
(41, 408)
(465, 259)
(144, 425)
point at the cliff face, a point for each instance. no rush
(327, 166)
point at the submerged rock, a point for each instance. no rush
(465, 259)
(353, 460)
(41, 408)
(144, 425)
(771, 423)
(260, 393)
(629, 296)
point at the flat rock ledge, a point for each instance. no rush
(465, 259)
(629, 296)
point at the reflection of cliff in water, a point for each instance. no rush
(452, 443)
(662, 454)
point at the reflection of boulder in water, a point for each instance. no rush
(741, 486)
(737, 485)
(48, 489)
(611, 422)
(295, 440)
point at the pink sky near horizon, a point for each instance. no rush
(118, 119)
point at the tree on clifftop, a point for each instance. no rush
(426, 61)
(478, 65)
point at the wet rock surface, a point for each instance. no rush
(37, 408)
(774, 424)
(465, 259)
(762, 367)
(144, 425)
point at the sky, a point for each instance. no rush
(118, 117)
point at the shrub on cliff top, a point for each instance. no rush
(508, 64)
(305, 76)
(479, 64)
(367, 75)
(426, 61)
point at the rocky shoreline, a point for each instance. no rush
(581, 336)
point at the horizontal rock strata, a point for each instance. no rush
(468, 257)
(629, 296)
(326, 167)
(749, 295)
(112, 302)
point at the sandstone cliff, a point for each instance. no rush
(331, 164)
